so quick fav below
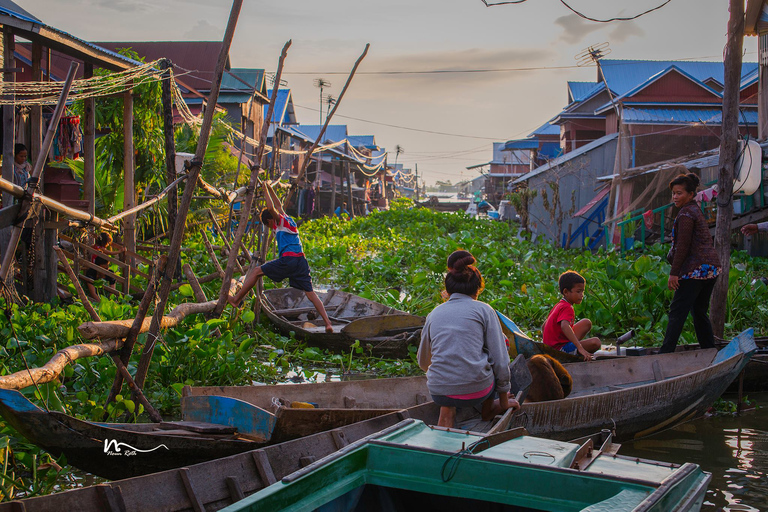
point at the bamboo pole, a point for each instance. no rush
(170, 144)
(76, 281)
(245, 210)
(194, 172)
(212, 254)
(194, 283)
(147, 204)
(18, 192)
(36, 171)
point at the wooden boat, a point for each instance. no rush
(417, 467)
(214, 484)
(755, 373)
(635, 396)
(211, 427)
(388, 331)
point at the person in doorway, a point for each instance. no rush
(290, 264)
(561, 331)
(695, 266)
(462, 349)
(21, 167)
(341, 211)
(103, 245)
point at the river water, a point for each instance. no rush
(733, 449)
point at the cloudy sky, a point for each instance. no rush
(468, 111)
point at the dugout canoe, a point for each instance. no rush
(214, 484)
(211, 427)
(385, 330)
(418, 467)
(634, 396)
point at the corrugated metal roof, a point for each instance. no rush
(623, 75)
(749, 79)
(362, 141)
(250, 76)
(233, 97)
(334, 132)
(568, 156)
(15, 10)
(682, 116)
(283, 113)
(511, 145)
(550, 150)
(546, 129)
(579, 91)
(639, 87)
(197, 56)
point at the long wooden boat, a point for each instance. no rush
(386, 330)
(635, 396)
(214, 484)
(755, 373)
(417, 467)
(211, 427)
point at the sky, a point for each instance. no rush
(444, 122)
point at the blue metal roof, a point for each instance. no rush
(511, 145)
(362, 141)
(749, 79)
(334, 132)
(682, 116)
(623, 75)
(550, 150)
(567, 157)
(671, 69)
(283, 112)
(579, 91)
(15, 10)
(547, 129)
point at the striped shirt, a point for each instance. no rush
(287, 236)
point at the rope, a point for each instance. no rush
(452, 462)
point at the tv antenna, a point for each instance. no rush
(271, 77)
(321, 83)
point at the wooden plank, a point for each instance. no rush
(247, 418)
(235, 491)
(129, 195)
(195, 501)
(112, 501)
(198, 426)
(263, 467)
(658, 375)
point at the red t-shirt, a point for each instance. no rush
(553, 334)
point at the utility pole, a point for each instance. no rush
(729, 150)
(417, 182)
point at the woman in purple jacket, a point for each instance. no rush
(695, 266)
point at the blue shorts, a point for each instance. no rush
(294, 268)
(569, 348)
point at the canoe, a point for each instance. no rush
(755, 373)
(385, 330)
(417, 467)
(211, 427)
(635, 396)
(214, 484)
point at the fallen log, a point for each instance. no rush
(120, 328)
(53, 368)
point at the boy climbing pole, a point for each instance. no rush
(290, 263)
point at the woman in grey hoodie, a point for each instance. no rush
(462, 347)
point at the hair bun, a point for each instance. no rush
(461, 265)
(694, 178)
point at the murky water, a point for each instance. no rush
(734, 450)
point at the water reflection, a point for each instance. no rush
(734, 450)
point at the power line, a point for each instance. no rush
(430, 71)
(608, 20)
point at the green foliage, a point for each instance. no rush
(396, 257)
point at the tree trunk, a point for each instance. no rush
(729, 150)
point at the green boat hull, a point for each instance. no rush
(422, 468)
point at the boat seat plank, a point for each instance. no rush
(658, 375)
(199, 427)
(196, 502)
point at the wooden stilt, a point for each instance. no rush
(89, 148)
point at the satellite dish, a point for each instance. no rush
(748, 169)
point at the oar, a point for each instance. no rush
(520, 380)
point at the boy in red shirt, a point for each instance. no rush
(559, 330)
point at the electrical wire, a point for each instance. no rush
(608, 20)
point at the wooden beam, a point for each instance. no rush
(8, 215)
(9, 135)
(129, 187)
(89, 147)
(170, 144)
(729, 151)
(36, 111)
(349, 189)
